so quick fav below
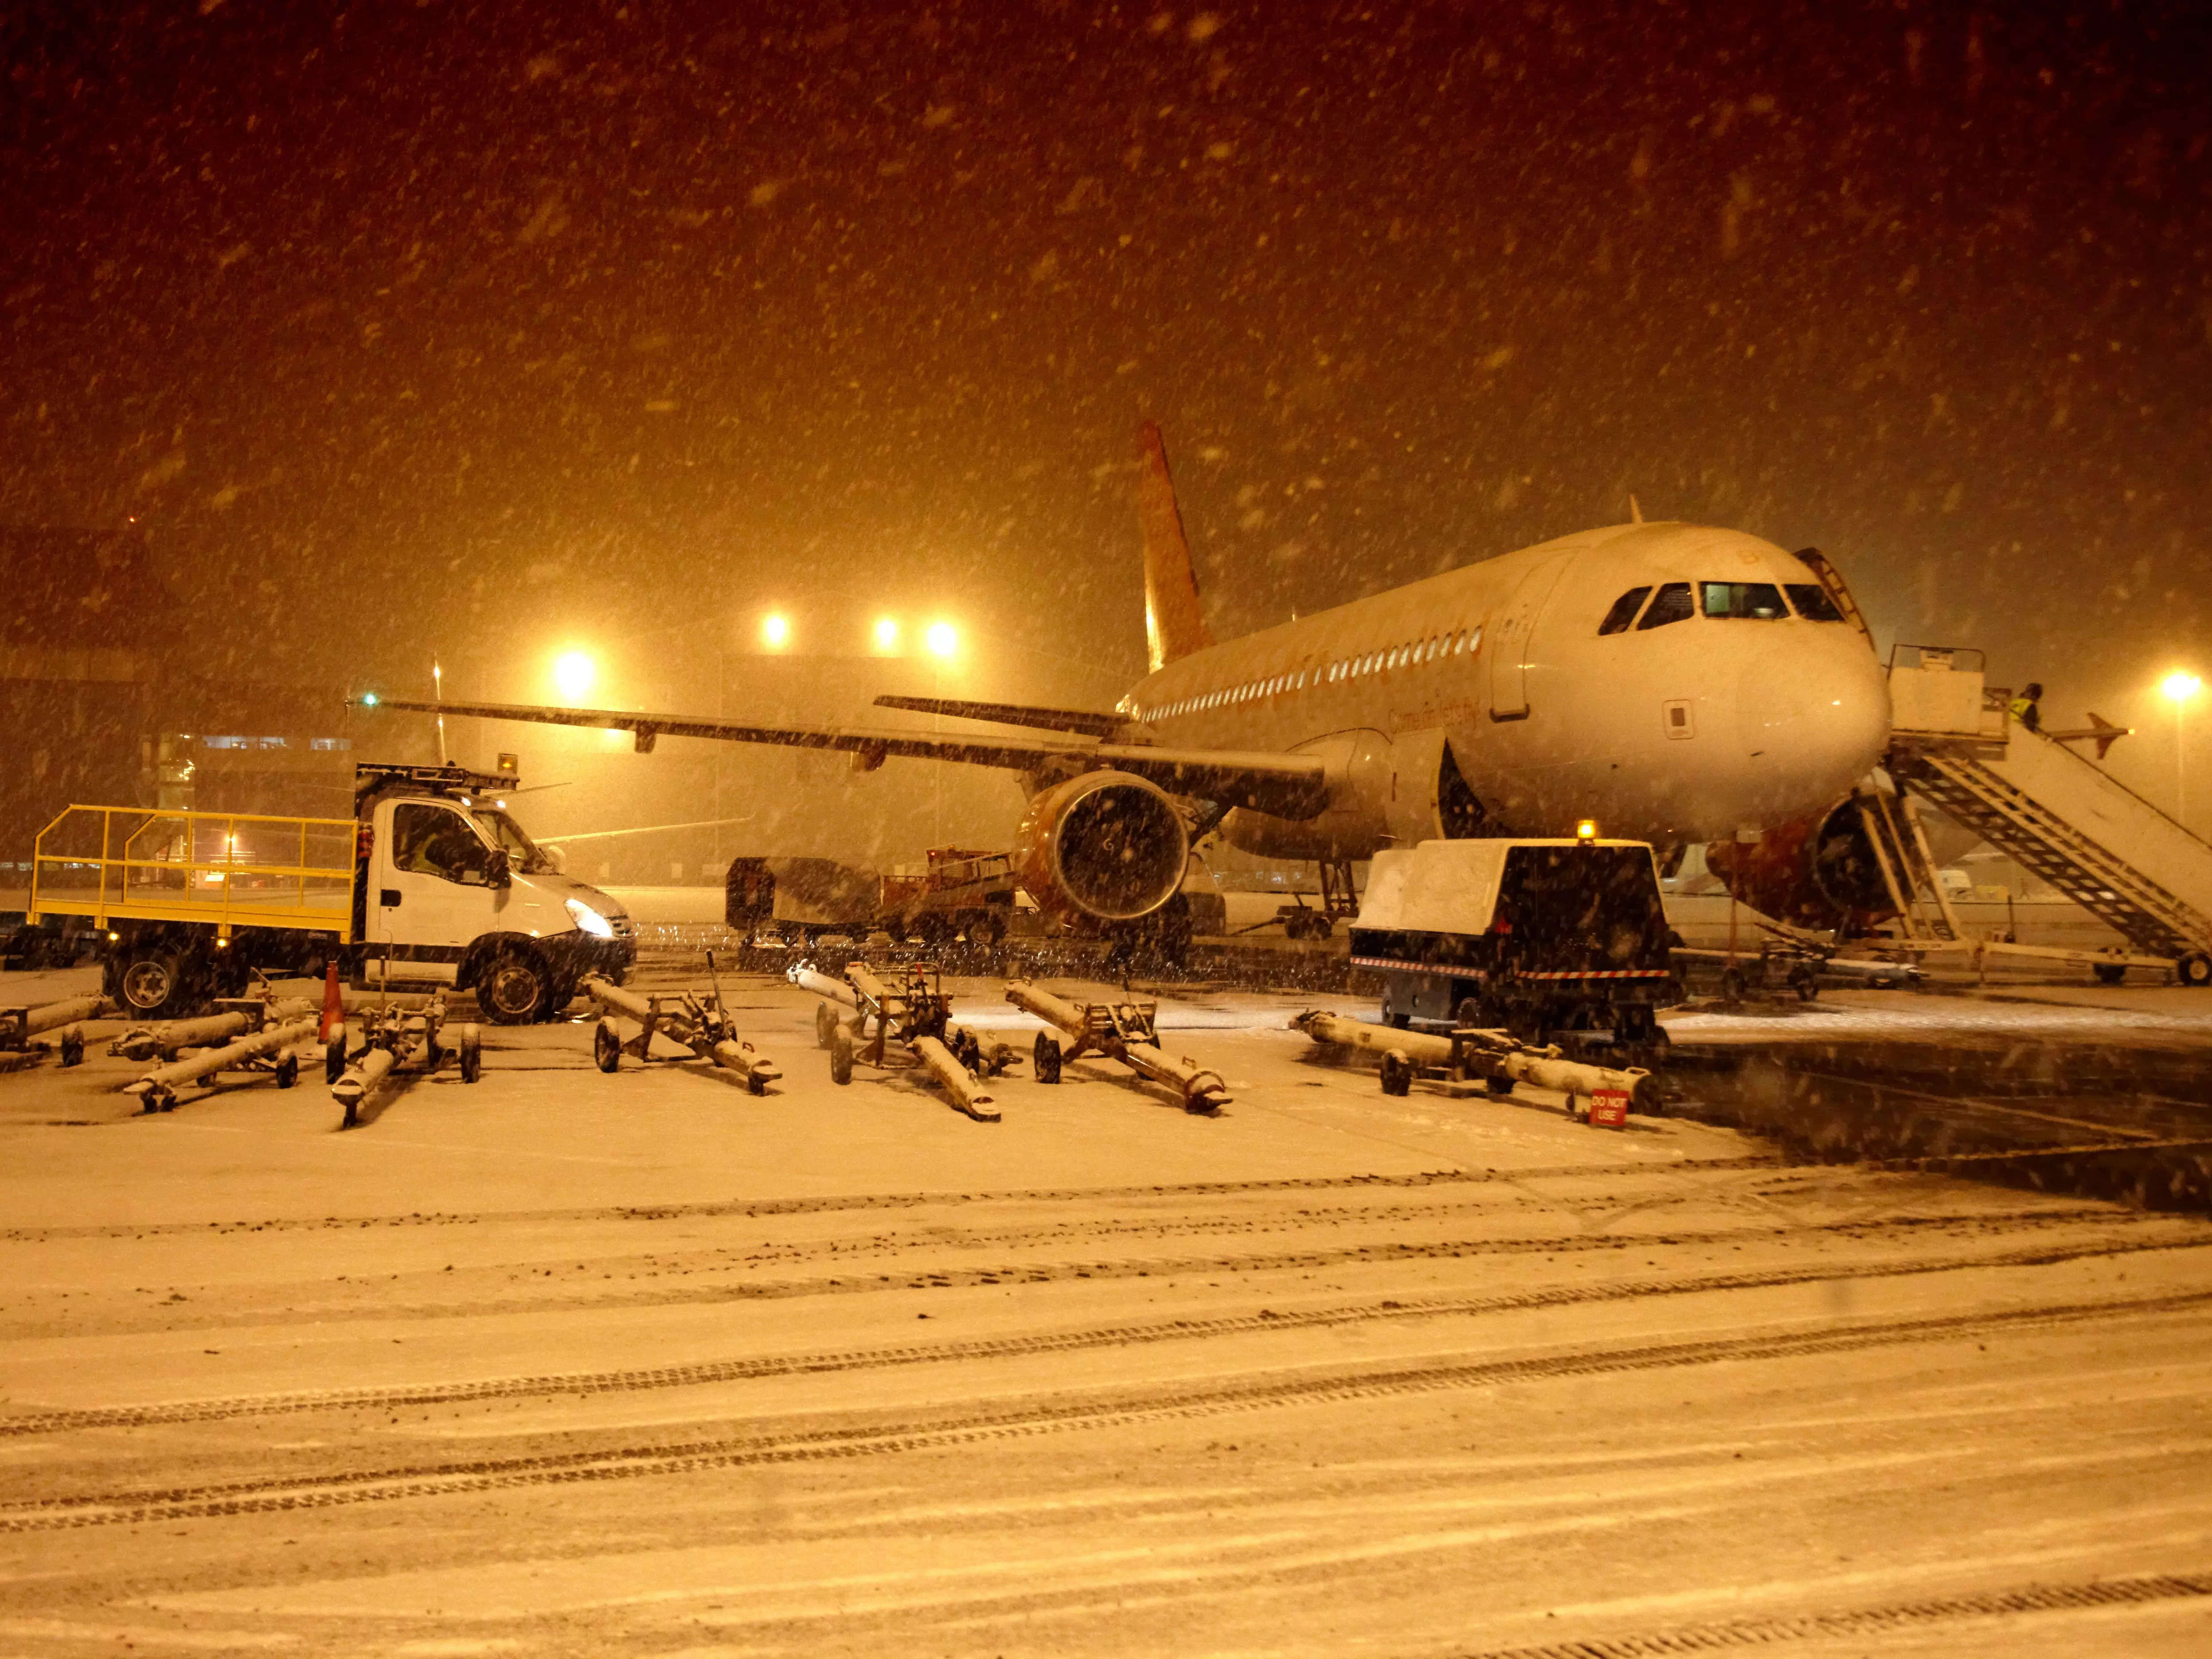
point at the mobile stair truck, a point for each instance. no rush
(1543, 938)
(430, 883)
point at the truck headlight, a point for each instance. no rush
(590, 920)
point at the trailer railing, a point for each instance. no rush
(229, 869)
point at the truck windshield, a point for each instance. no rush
(522, 853)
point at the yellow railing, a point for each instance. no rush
(149, 867)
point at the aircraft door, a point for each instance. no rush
(431, 891)
(1514, 633)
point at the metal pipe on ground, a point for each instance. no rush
(165, 1040)
(944, 1065)
(18, 1024)
(1491, 1053)
(157, 1090)
(1199, 1088)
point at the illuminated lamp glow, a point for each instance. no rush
(574, 674)
(2181, 685)
(887, 633)
(942, 638)
(1586, 830)
(775, 630)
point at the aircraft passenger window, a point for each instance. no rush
(1811, 601)
(1624, 611)
(1753, 601)
(1672, 604)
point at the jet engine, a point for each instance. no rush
(1819, 873)
(1102, 848)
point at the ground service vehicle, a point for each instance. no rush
(1539, 937)
(431, 883)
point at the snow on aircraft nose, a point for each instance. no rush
(1812, 709)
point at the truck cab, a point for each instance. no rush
(449, 890)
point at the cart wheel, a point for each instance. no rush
(73, 1049)
(607, 1047)
(2194, 969)
(433, 1052)
(1321, 927)
(1731, 986)
(1500, 1084)
(352, 1118)
(841, 1056)
(1806, 983)
(1397, 1074)
(472, 1054)
(2112, 972)
(288, 1070)
(824, 1023)
(1046, 1057)
(756, 1083)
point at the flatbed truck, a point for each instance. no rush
(430, 882)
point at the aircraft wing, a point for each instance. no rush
(1287, 785)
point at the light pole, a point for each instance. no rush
(2180, 685)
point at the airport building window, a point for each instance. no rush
(1624, 611)
(1672, 604)
(1811, 601)
(1748, 601)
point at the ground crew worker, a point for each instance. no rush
(2027, 707)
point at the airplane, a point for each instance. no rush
(1674, 683)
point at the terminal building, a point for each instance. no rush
(101, 702)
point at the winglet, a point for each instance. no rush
(1173, 625)
(2107, 733)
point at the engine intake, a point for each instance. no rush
(1817, 873)
(1104, 846)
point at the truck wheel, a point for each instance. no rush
(2194, 969)
(986, 929)
(1046, 1057)
(933, 929)
(825, 1025)
(2112, 972)
(1321, 926)
(156, 983)
(606, 1047)
(841, 1056)
(513, 986)
(1806, 983)
(1500, 1084)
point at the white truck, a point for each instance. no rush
(431, 883)
(1542, 938)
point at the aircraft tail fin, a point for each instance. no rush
(1173, 625)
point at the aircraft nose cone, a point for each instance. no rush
(1813, 708)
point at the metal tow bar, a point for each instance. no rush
(915, 1013)
(700, 1024)
(393, 1037)
(250, 1035)
(1126, 1031)
(50, 1027)
(1497, 1058)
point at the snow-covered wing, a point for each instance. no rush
(1288, 785)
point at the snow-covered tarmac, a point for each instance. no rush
(563, 1362)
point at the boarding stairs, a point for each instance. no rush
(2055, 812)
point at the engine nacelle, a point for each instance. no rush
(1819, 873)
(1104, 847)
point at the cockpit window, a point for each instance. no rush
(1673, 604)
(1624, 611)
(1754, 601)
(1811, 601)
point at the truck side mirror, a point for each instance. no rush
(496, 874)
(558, 858)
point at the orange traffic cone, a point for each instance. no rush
(333, 1005)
